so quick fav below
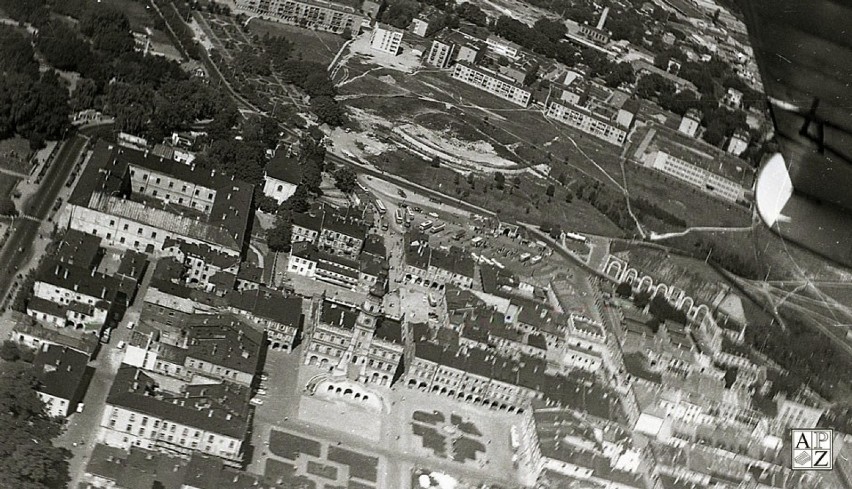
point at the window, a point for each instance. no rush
(153, 234)
(126, 227)
(210, 195)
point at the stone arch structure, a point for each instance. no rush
(661, 289)
(313, 360)
(630, 275)
(614, 268)
(686, 304)
(645, 280)
(700, 311)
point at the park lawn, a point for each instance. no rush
(136, 12)
(7, 185)
(15, 154)
(311, 45)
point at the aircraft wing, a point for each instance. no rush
(804, 51)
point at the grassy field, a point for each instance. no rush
(310, 45)
(15, 154)
(136, 12)
(7, 185)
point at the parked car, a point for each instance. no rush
(256, 402)
(261, 392)
(130, 324)
(264, 376)
(401, 193)
(120, 345)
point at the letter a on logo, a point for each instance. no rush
(803, 441)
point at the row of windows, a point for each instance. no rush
(157, 181)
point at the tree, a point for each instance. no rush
(7, 207)
(9, 351)
(328, 111)
(27, 457)
(298, 202)
(500, 179)
(551, 189)
(279, 237)
(400, 13)
(472, 13)
(436, 162)
(345, 179)
(624, 290)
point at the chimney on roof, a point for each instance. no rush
(64, 275)
(93, 272)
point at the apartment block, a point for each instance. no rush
(320, 15)
(492, 82)
(386, 38)
(441, 53)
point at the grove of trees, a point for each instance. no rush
(28, 460)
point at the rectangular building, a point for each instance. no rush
(135, 200)
(209, 418)
(715, 185)
(584, 119)
(493, 83)
(386, 38)
(441, 53)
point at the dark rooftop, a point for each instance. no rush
(61, 372)
(225, 340)
(268, 304)
(389, 330)
(337, 315)
(284, 168)
(219, 408)
(79, 248)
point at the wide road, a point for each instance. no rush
(17, 248)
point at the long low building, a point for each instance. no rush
(492, 82)
(680, 168)
(582, 118)
(319, 15)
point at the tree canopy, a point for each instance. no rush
(27, 458)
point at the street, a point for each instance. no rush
(24, 231)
